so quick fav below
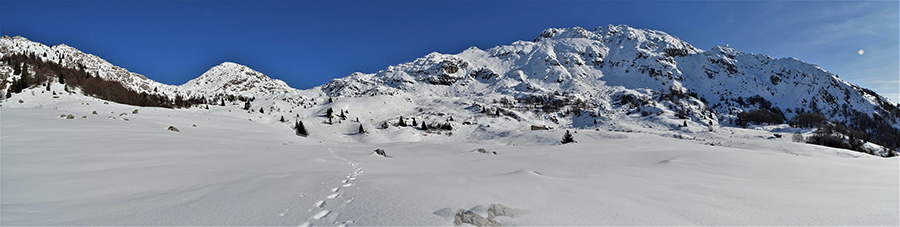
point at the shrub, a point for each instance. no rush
(759, 116)
(807, 120)
(828, 140)
(798, 138)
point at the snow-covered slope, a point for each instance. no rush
(70, 57)
(118, 167)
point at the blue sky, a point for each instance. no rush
(308, 43)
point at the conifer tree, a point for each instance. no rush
(329, 113)
(567, 138)
(414, 122)
(282, 119)
(343, 117)
(247, 105)
(401, 123)
(261, 110)
(62, 79)
(17, 69)
(361, 130)
(424, 127)
(299, 129)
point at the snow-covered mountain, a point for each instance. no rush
(565, 78)
(234, 79)
(618, 71)
(606, 64)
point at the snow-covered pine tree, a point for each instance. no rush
(299, 129)
(567, 138)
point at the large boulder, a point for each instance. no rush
(469, 217)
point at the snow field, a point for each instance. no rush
(233, 171)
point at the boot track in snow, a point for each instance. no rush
(336, 192)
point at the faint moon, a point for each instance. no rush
(861, 52)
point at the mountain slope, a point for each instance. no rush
(614, 72)
(73, 58)
(565, 78)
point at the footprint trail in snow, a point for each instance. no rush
(321, 204)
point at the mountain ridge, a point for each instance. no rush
(564, 78)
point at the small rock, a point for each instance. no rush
(381, 152)
(107, 103)
(62, 115)
(172, 128)
(123, 114)
(495, 210)
(94, 113)
(83, 117)
(20, 101)
(195, 125)
(70, 116)
(135, 111)
(481, 150)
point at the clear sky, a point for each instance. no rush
(308, 43)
